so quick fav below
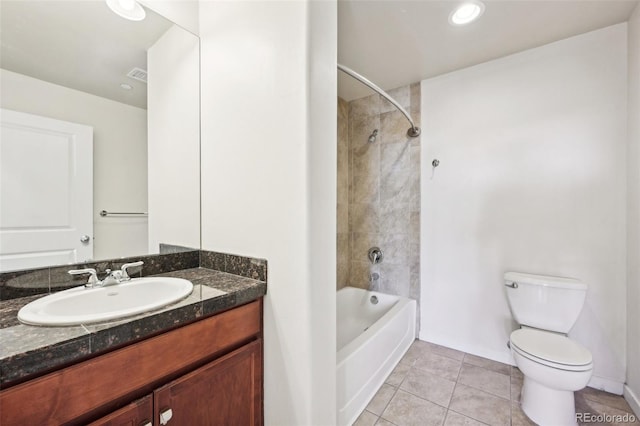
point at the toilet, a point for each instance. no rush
(553, 365)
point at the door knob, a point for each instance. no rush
(85, 239)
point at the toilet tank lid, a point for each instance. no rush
(544, 280)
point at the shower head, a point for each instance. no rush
(373, 136)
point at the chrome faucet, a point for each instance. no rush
(124, 274)
(93, 276)
(111, 278)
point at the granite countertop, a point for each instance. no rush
(27, 351)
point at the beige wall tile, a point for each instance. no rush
(342, 218)
(401, 95)
(360, 128)
(369, 105)
(393, 127)
(394, 156)
(359, 274)
(394, 217)
(396, 187)
(415, 94)
(383, 194)
(364, 218)
(361, 243)
(394, 279)
(414, 157)
(365, 188)
(365, 160)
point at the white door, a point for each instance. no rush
(46, 191)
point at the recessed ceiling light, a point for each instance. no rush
(128, 9)
(126, 86)
(466, 12)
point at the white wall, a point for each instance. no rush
(181, 12)
(174, 140)
(269, 182)
(531, 179)
(632, 391)
(119, 155)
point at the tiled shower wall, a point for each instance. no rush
(383, 195)
(343, 195)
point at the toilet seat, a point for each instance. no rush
(551, 349)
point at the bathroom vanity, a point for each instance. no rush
(196, 362)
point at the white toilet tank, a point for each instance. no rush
(548, 303)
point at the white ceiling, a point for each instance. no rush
(78, 44)
(394, 43)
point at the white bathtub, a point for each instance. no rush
(371, 340)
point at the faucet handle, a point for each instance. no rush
(93, 277)
(125, 274)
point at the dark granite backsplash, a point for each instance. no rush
(44, 280)
(233, 264)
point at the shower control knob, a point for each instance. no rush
(375, 255)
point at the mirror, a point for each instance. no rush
(99, 114)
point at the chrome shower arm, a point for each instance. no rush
(413, 131)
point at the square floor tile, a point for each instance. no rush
(416, 350)
(486, 380)
(366, 419)
(518, 417)
(398, 374)
(516, 388)
(605, 398)
(381, 399)
(448, 352)
(439, 365)
(481, 406)
(409, 410)
(588, 407)
(457, 419)
(428, 386)
(489, 364)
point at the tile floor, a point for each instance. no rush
(435, 385)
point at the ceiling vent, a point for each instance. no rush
(138, 74)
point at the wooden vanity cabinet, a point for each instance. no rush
(205, 373)
(138, 413)
(224, 392)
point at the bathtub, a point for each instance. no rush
(371, 339)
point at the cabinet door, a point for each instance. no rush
(226, 392)
(138, 413)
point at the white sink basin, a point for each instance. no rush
(82, 305)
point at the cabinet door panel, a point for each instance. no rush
(75, 393)
(138, 413)
(225, 392)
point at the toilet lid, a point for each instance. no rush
(551, 347)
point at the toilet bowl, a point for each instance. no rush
(554, 366)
